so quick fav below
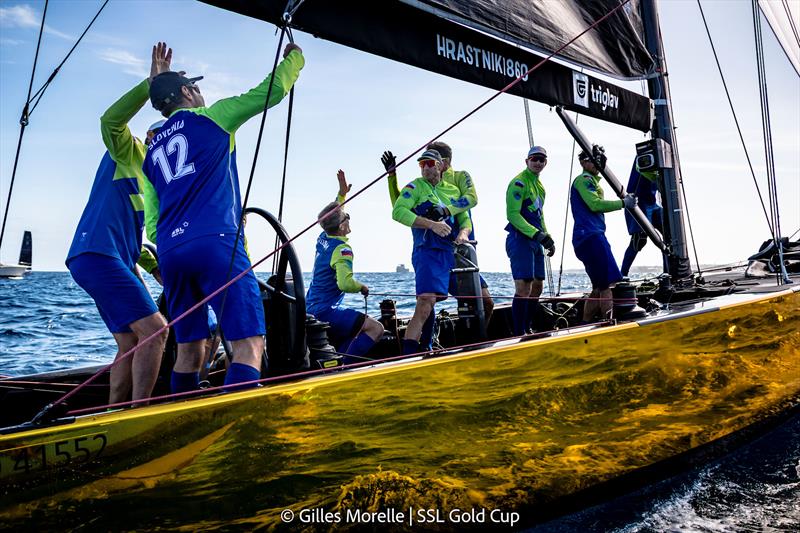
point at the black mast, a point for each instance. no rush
(674, 229)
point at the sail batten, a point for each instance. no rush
(421, 38)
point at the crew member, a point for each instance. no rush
(421, 206)
(192, 166)
(351, 331)
(644, 185)
(466, 200)
(108, 243)
(589, 232)
(527, 237)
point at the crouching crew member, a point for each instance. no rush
(527, 237)
(192, 166)
(421, 206)
(108, 243)
(589, 232)
(351, 331)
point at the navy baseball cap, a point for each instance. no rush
(431, 154)
(537, 150)
(166, 88)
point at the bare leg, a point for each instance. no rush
(372, 328)
(591, 306)
(249, 351)
(190, 356)
(120, 380)
(606, 304)
(424, 308)
(488, 304)
(147, 359)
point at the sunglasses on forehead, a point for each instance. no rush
(427, 163)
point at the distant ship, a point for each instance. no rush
(24, 266)
(401, 268)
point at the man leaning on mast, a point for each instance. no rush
(421, 207)
(464, 202)
(589, 232)
(108, 243)
(192, 167)
(351, 331)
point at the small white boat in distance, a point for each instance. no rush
(25, 257)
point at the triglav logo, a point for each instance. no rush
(580, 89)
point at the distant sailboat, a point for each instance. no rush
(25, 257)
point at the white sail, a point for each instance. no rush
(784, 19)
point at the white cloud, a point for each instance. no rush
(10, 42)
(24, 16)
(131, 64)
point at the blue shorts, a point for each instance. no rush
(526, 255)
(432, 269)
(345, 323)
(600, 264)
(195, 269)
(119, 294)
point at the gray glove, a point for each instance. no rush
(629, 201)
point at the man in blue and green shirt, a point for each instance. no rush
(589, 232)
(192, 166)
(527, 237)
(108, 244)
(644, 185)
(421, 206)
(464, 202)
(351, 331)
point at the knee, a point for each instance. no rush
(373, 328)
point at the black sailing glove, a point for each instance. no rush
(389, 162)
(437, 213)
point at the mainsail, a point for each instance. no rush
(445, 37)
(784, 19)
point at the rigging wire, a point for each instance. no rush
(43, 413)
(566, 210)
(23, 122)
(239, 228)
(547, 266)
(735, 118)
(285, 163)
(791, 21)
(766, 129)
(28, 110)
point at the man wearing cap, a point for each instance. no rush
(467, 199)
(108, 243)
(421, 206)
(192, 166)
(351, 331)
(589, 232)
(527, 239)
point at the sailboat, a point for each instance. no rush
(23, 266)
(535, 426)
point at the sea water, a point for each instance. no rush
(48, 323)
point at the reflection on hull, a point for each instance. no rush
(518, 427)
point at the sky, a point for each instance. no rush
(351, 106)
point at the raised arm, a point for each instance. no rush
(230, 113)
(114, 123)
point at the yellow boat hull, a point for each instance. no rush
(513, 427)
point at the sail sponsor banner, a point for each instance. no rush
(416, 37)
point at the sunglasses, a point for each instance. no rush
(427, 163)
(538, 159)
